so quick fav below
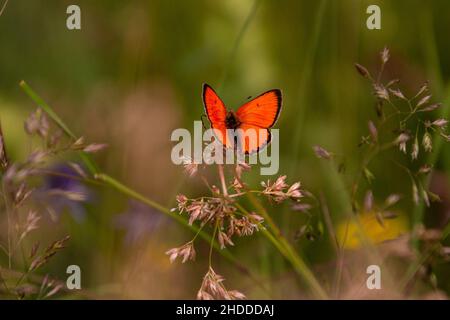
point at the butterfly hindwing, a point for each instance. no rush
(251, 139)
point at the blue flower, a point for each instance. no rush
(64, 190)
(138, 222)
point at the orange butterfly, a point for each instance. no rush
(258, 115)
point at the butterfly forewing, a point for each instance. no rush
(262, 111)
(216, 112)
(258, 115)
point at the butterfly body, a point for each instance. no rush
(251, 121)
(231, 120)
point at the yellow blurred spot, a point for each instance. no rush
(349, 236)
(12, 118)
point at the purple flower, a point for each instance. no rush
(138, 221)
(64, 190)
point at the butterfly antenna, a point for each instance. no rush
(3, 156)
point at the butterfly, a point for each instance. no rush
(257, 115)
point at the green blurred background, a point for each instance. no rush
(134, 72)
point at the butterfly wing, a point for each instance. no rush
(263, 111)
(258, 115)
(251, 139)
(216, 112)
